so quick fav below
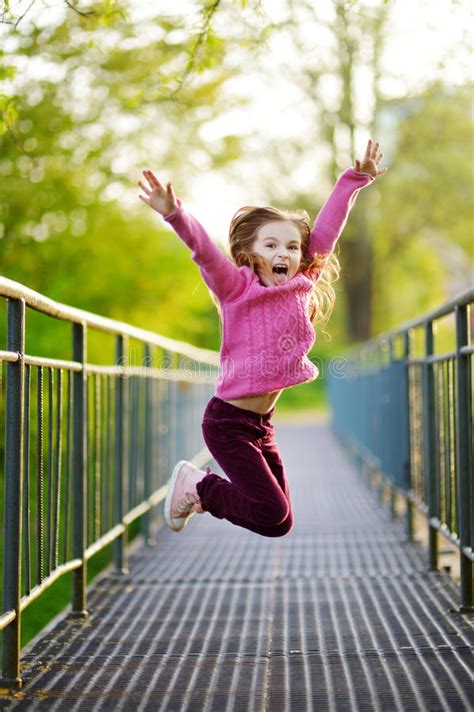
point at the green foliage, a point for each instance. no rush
(124, 267)
(306, 396)
(421, 215)
(68, 227)
(8, 113)
(94, 13)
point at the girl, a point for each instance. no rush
(267, 298)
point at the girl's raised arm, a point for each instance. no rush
(332, 217)
(220, 274)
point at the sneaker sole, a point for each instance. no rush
(174, 523)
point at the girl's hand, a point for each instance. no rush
(161, 199)
(371, 160)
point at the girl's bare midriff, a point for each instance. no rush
(258, 404)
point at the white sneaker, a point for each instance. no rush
(182, 499)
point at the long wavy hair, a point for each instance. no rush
(324, 269)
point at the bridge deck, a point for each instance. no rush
(341, 614)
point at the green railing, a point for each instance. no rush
(405, 410)
(88, 448)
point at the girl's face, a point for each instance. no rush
(279, 244)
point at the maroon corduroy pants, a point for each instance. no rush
(243, 444)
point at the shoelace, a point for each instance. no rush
(185, 505)
(187, 502)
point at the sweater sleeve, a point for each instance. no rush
(332, 217)
(220, 274)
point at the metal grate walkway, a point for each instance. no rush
(339, 615)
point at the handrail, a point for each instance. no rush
(409, 422)
(38, 302)
(88, 450)
(462, 299)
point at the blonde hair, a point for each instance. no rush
(325, 269)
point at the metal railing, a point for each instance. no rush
(409, 419)
(88, 449)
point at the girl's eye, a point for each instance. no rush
(271, 245)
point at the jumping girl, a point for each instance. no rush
(268, 293)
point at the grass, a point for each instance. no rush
(306, 398)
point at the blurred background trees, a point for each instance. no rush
(401, 253)
(95, 100)
(91, 99)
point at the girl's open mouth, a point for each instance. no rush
(281, 273)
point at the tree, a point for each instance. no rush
(422, 225)
(326, 75)
(113, 100)
(332, 64)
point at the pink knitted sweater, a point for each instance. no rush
(266, 331)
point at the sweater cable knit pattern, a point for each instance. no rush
(266, 332)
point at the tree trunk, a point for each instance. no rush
(357, 249)
(356, 265)
(338, 128)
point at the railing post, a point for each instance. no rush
(464, 430)
(392, 383)
(407, 465)
(171, 416)
(121, 429)
(181, 425)
(148, 454)
(79, 471)
(429, 462)
(13, 491)
(167, 419)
